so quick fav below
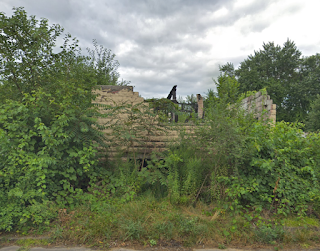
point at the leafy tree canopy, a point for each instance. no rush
(227, 91)
(28, 58)
(48, 124)
(313, 122)
(291, 80)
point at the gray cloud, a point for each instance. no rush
(158, 43)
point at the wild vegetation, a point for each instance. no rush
(234, 181)
(291, 80)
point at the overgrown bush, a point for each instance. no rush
(50, 142)
(281, 173)
(47, 153)
(221, 138)
(249, 162)
(48, 131)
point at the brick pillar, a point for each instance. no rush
(200, 106)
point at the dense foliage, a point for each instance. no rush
(249, 163)
(50, 143)
(46, 153)
(29, 59)
(291, 80)
(313, 121)
(48, 130)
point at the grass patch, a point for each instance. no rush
(32, 242)
(301, 222)
(148, 222)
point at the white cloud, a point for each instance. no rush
(163, 43)
(125, 48)
(243, 3)
(221, 12)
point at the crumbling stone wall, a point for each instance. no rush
(128, 117)
(130, 125)
(261, 105)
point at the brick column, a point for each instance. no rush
(200, 106)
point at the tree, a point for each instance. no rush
(292, 81)
(228, 88)
(28, 61)
(26, 53)
(227, 91)
(305, 92)
(276, 69)
(227, 69)
(48, 131)
(103, 62)
(313, 119)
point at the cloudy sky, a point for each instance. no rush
(161, 43)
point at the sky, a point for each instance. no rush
(162, 43)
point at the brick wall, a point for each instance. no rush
(130, 127)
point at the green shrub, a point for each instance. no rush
(269, 234)
(281, 173)
(46, 153)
